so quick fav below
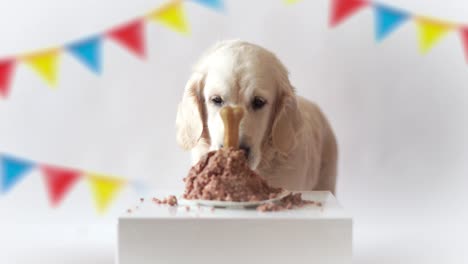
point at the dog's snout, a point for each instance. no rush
(245, 148)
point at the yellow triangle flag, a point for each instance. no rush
(104, 189)
(171, 15)
(45, 64)
(290, 2)
(430, 32)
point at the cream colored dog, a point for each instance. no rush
(286, 138)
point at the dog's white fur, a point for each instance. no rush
(291, 142)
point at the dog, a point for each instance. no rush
(287, 139)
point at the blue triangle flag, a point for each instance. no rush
(12, 170)
(89, 52)
(215, 4)
(387, 20)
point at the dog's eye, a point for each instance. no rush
(217, 100)
(258, 103)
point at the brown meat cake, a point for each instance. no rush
(224, 175)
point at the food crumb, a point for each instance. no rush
(288, 202)
(170, 200)
(319, 204)
(187, 208)
(142, 199)
(269, 207)
(129, 211)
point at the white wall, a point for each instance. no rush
(400, 118)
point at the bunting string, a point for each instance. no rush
(389, 18)
(60, 180)
(131, 37)
(88, 50)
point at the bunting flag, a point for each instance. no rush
(12, 169)
(464, 36)
(218, 4)
(387, 20)
(430, 32)
(104, 189)
(88, 51)
(290, 2)
(6, 71)
(172, 15)
(59, 181)
(341, 9)
(45, 64)
(131, 37)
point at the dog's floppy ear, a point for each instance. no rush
(189, 120)
(287, 121)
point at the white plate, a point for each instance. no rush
(230, 204)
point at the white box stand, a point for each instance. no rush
(162, 234)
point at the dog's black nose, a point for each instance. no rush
(246, 149)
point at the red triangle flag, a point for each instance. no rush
(6, 70)
(131, 36)
(59, 181)
(341, 9)
(464, 36)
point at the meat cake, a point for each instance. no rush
(224, 175)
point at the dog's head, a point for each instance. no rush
(239, 74)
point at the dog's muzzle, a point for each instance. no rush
(245, 148)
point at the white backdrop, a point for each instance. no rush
(400, 119)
